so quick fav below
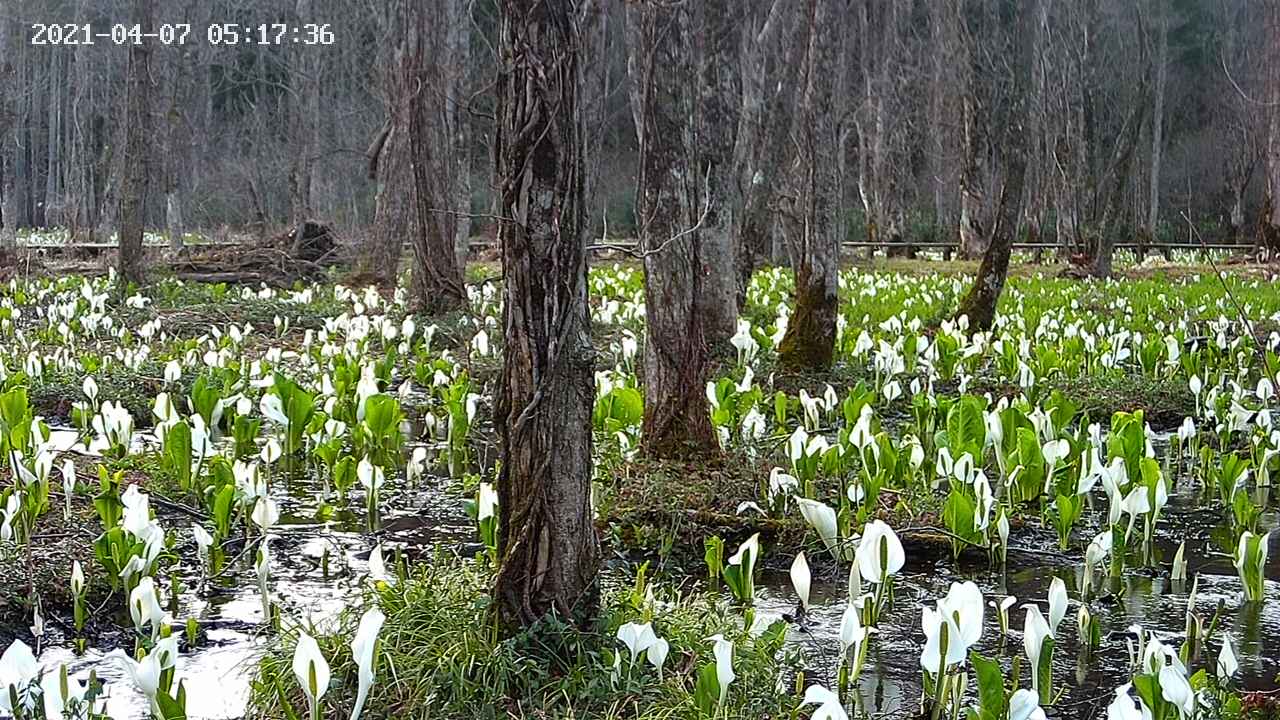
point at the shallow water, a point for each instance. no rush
(217, 673)
(891, 681)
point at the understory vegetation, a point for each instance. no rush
(197, 447)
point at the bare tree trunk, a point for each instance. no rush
(809, 342)
(456, 64)
(174, 75)
(437, 277)
(173, 217)
(1269, 226)
(763, 141)
(715, 45)
(879, 135)
(393, 223)
(304, 130)
(979, 304)
(973, 239)
(1157, 126)
(547, 539)
(137, 133)
(597, 87)
(1038, 180)
(1121, 166)
(430, 122)
(972, 230)
(940, 137)
(9, 89)
(53, 199)
(680, 302)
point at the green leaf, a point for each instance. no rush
(1148, 688)
(1044, 670)
(706, 693)
(991, 692)
(966, 429)
(170, 709)
(713, 555)
(628, 405)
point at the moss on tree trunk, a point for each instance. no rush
(809, 343)
(814, 217)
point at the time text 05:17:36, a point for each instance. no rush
(182, 34)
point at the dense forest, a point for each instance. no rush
(1138, 115)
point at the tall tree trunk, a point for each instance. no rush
(809, 342)
(304, 127)
(388, 154)
(680, 301)
(174, 74)
(940, 136)
(1121, 167)
(457, 63)
(597, 86)
(763, 142)
(972, 231)
(1269, 227)
(715, 76)
(137, 133)
(547, 541)
(393, 224)
(979, 304)
(437, 277)
(435, 133)
(1157, 126)
(9, 42)
(53, 199)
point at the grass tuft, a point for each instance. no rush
(439, 657)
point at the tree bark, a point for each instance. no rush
(597, 88)
(547, 540)
(715, 46)
(432, 90)
(973, 226)
(388, 155)
(673, 207)
(437, 277)
(457, 64)
(941, 98)
(979, 304)
(305, 124)
(1157, 126)
(389, 168)
(809, 343)
(1269, 227)
(8, 129)
(1121, 166)
(879, 135)
(174, 75)
(54, 205)
(973, 239)
(137, 133)
(763, 142)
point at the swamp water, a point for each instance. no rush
(316, 569)
(217, 673)
(890, 685)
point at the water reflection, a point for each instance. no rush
(315, 571)
(891, 680)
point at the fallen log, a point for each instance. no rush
(303, 253)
